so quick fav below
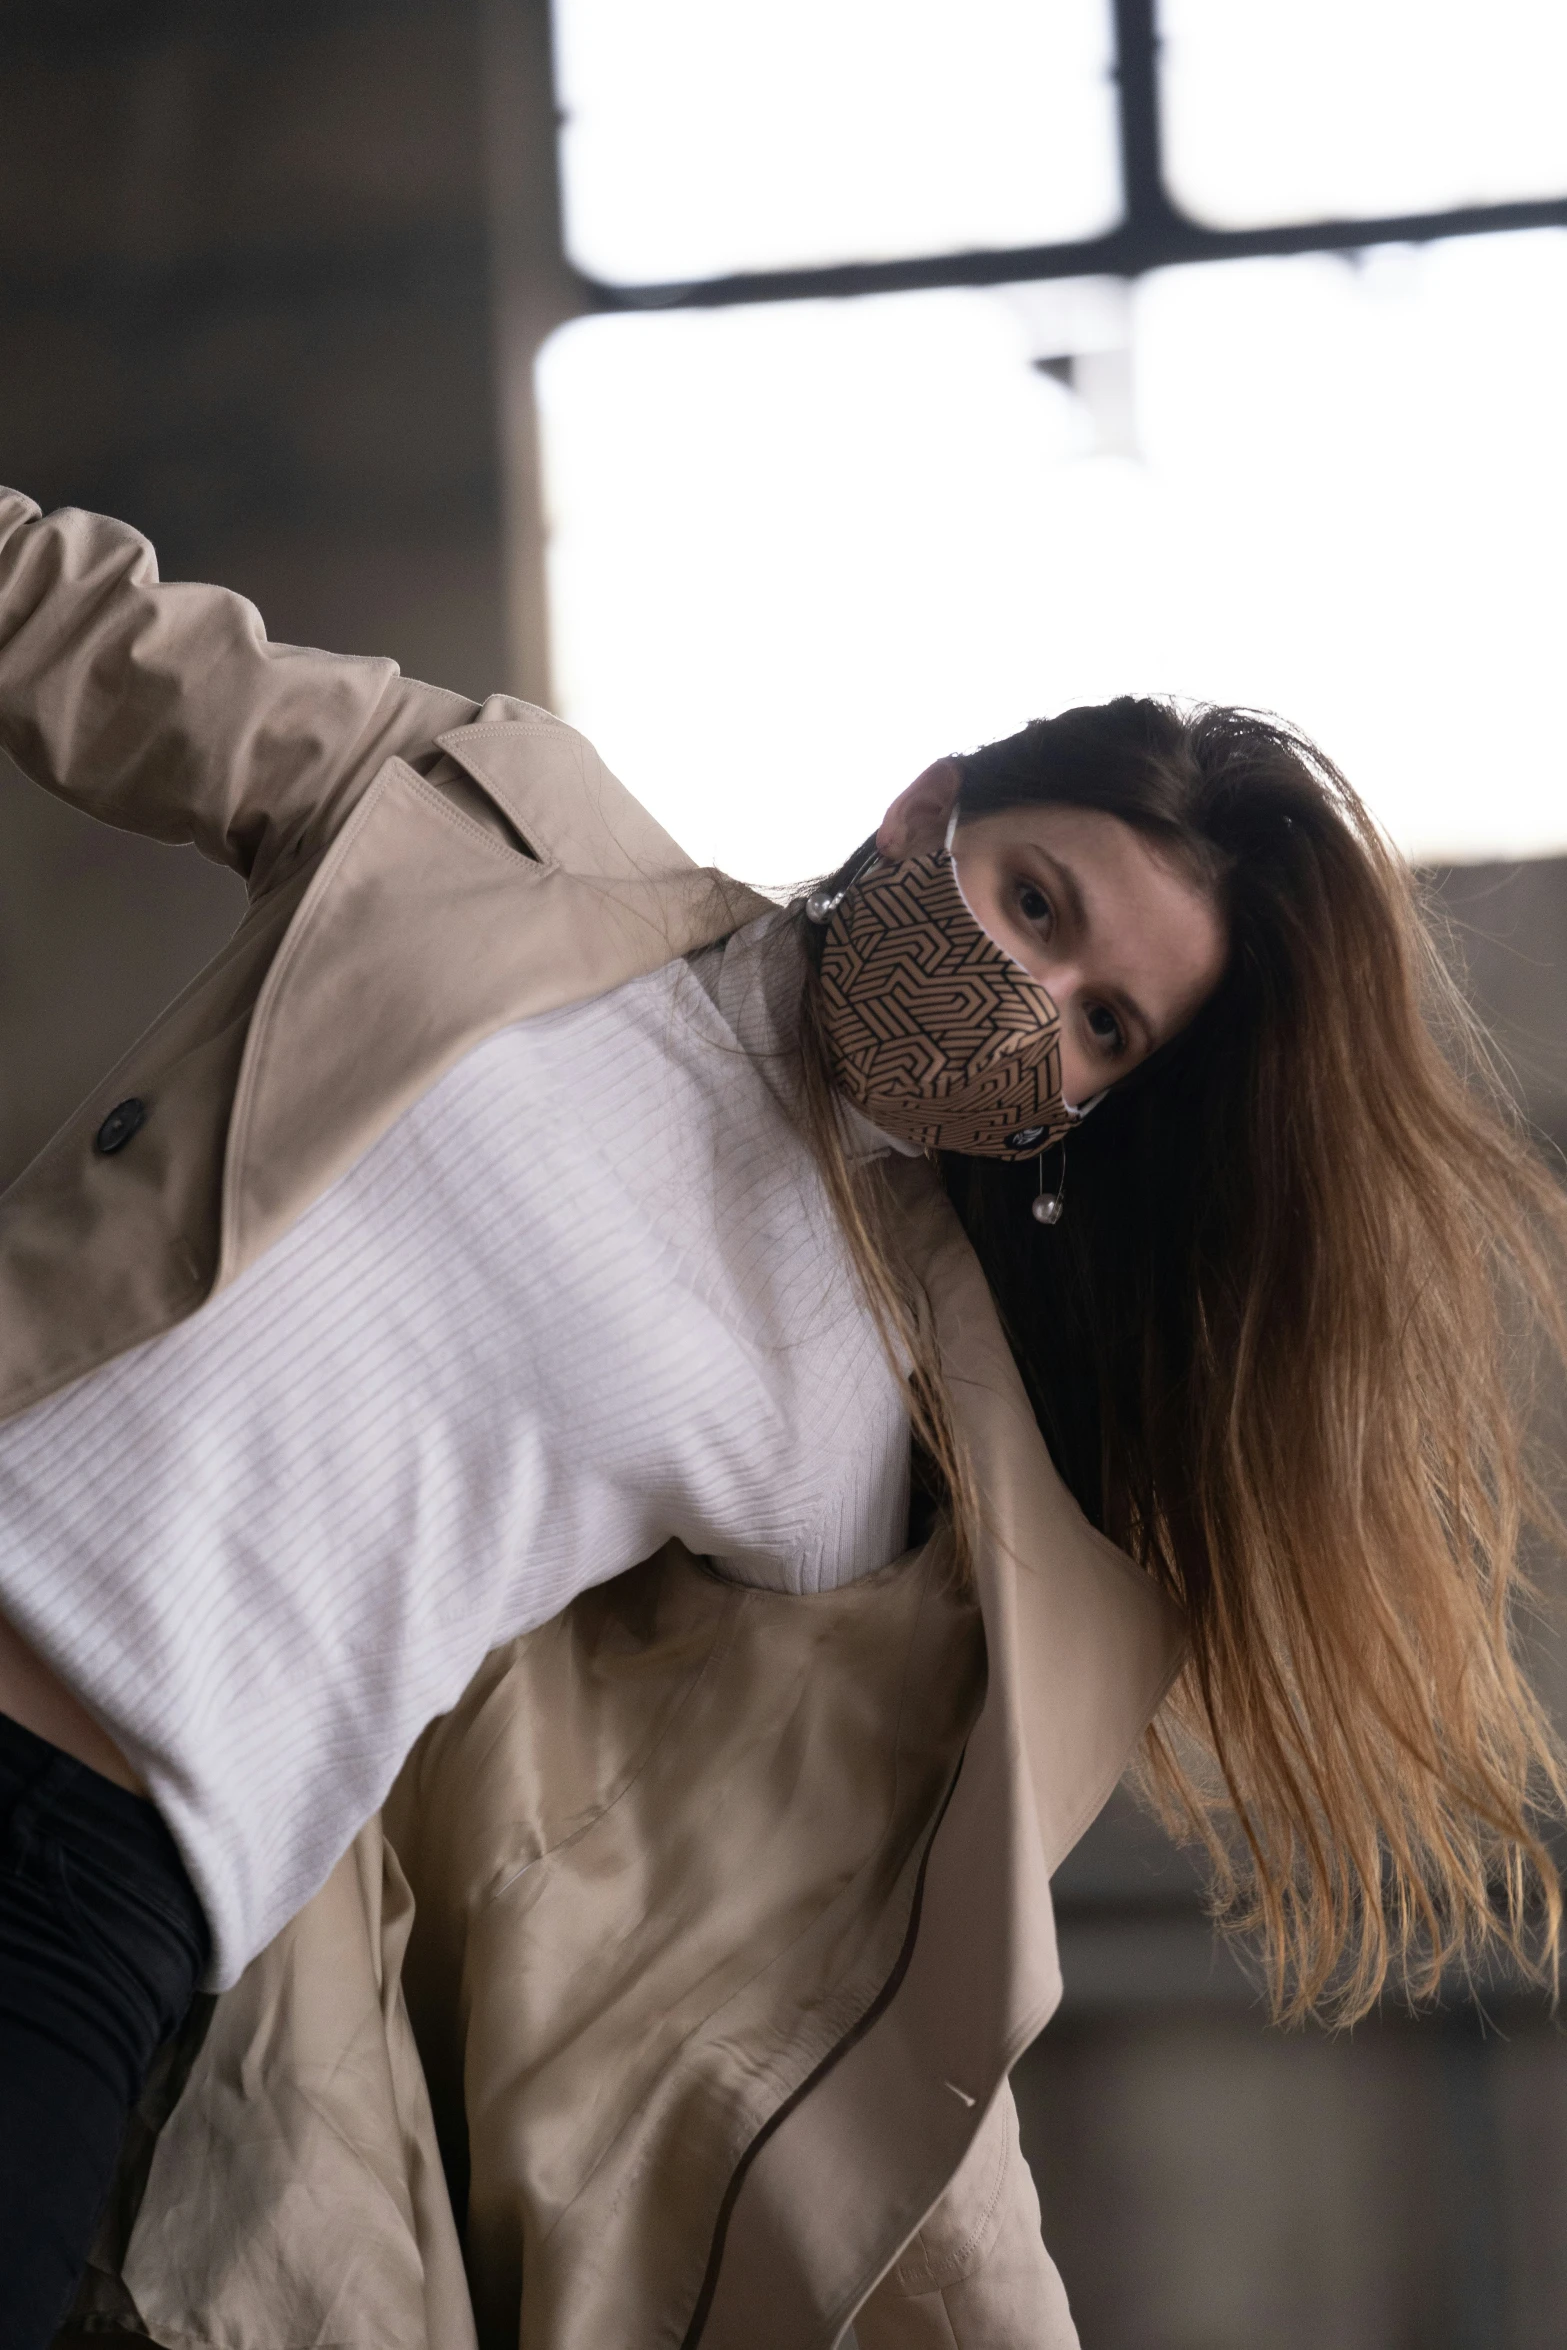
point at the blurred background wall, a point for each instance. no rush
(273, 280)
(244, 257)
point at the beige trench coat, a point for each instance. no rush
(699, 1939)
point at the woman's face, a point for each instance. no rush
(1128, 944)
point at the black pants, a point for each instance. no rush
(102, 1947)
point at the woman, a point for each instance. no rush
(511, 1204)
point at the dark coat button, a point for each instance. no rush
(124, 1120)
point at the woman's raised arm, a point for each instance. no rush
(164, 709)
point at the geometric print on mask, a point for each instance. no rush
(935, 1034)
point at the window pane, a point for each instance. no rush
(705, 136)
(800, 551)
(1283, 110)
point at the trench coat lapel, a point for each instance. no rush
(422, 933)
(553, 786)
(1080, 1649)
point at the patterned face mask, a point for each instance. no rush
(936, 1035)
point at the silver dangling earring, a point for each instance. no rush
(822, 904)
(1046, 1208)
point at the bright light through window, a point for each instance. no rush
(1284, 110)
(706, 136)
(799, 551)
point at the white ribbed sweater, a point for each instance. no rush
(587, 1294)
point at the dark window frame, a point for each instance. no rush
(1153, 232)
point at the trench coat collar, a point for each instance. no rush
(423, 932)
(554, 788)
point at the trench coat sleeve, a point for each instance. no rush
(977, 2275)
(163, 708)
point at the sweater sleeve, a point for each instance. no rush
(977, 2275)
(164, 709)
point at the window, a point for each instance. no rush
(800, 546)
(1282, 110)
(701, 137)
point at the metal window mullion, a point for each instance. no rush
(1153, 233)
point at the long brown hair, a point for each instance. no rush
(1278, 1347)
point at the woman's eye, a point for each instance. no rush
(1034, 906)
(1106, 1029)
